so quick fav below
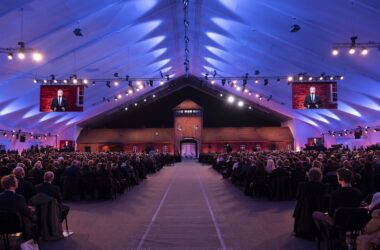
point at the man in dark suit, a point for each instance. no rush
(35, 175)
(53, 191)
(312, 101)
(59, 104)
(11, 201)
(48, 188)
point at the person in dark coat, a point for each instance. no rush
(88, 180)
(11, 201)
(48, 188)
(5, 170)
(104, 182)
(280, 183)
(71, 180)
(53, 191)
(36, 174)
(310, 198)
(346, 196)
(368, 183)
(260, 179)
(25, 188)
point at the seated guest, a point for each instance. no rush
(70, 180)
(35, 175)
(346, 196)
(280, 187)
(48, 188)
(4, 167)
(25, 188)
(103, 182)
(270, 166)
(53, 191)
(310, 197)
(88, 181)
(368, 182)
(11, 201)
(260, 179)
(371, 232)
(375, 202)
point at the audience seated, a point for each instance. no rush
(337, 178)
(39, 175)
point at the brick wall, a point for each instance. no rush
(212, 139)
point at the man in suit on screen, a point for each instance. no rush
(312, 101)
(59, 104)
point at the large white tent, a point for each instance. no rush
(140, 38)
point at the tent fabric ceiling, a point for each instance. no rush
(142, 37)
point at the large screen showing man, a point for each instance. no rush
(314, 95)
(61, 98)
(59, 104)
(312, 101)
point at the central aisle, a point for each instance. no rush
(184, 217)
(188, 206)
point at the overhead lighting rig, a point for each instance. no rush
(18, 133)
(21, 51)
(266, 80)
(233, 82)
(360, 130)
(186, 36)
(114, 81)
(353, 46)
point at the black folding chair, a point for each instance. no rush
(10, 223)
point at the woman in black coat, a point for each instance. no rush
(310, 198)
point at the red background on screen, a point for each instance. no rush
(300, 90)
(62, 143)
(48, 93)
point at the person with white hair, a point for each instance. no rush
(36, 174)
(25, 188)
(312, 101)
(270, 166)
(375, 202)
(53, 191)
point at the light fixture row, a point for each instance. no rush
(130, 91)
(301, 77)
(14, 134)
(186, 36)
(115, 81)
(354, 46)
(359, 129)
(21, 52)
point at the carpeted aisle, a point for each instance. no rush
(188, 206)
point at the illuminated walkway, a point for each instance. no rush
(187, 206)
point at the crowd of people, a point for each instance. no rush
(320, 181)
(38, 181)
